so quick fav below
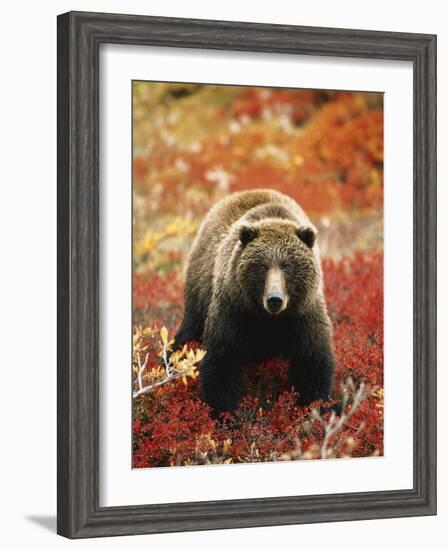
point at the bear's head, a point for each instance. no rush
(278, 269)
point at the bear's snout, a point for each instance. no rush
(275, 301)
(275, 298)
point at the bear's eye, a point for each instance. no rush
(287, 268)
(263, 268)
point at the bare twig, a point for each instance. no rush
(151, 387)
(141, 368)
(334, 425)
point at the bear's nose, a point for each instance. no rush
(275, 301)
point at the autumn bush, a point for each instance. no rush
(192, 145)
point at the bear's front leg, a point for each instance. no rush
(312, 360)
(220, 370)
(220, 381)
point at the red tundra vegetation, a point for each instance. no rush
(192, 145)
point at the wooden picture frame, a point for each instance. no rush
(79, 38)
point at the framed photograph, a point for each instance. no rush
(246, 274)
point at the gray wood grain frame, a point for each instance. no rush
(79, 38)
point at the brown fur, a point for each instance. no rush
(243, 240)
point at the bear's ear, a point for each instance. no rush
(248, 234)
(307, 235)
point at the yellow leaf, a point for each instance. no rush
(164, 335)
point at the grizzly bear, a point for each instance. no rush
(254, 290)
